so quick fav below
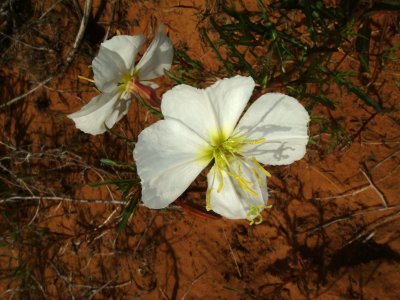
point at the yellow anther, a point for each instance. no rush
(254, 214)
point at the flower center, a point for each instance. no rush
(228, 158)
(128, 81)
(130, 84)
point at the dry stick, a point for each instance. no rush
(165, 297)
(77, 42)
(12, 291)
(97, 201)
(108, 285)
(348, 217)
(26, 44)
(382, 161)
(74, 284)
(354, 192)
(113, 9)
(50, 9)
(17, 179)
(81, 32)
(192, 284)
(379, 223)
(144, 233)
(67, 283)
(371, 184)
(233, 254)
(383, 198)
(39, 85)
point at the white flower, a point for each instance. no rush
(201, 126)
(117, 77)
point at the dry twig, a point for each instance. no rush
(348, 217)
(62, 199)
(380, 194)
(233, 254)
(68, 60)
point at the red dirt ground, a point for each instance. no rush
(332, 232)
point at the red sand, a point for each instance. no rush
(326, 237)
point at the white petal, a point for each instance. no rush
(229, 98)
(151, 84)
(103, 110)
(167, 157)
(232, 201)
(192, 107)
(114, 60)
(208, 111)
(283, 122)
(157, 57)
(126, 46)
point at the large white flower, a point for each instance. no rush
(117, 77)
(201, 127)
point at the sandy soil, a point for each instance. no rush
(332, 232)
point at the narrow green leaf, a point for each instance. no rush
(173, 77)
(362, 45)
(362, 95)
(111, 163)
(233, 49)
(228, 66)
(308, 11)
(122, 185)
(128, 213)
(324, 100)
(153, 111)
(386, 4)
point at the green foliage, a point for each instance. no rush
(125, 187)
(291, 45)
(188, 71)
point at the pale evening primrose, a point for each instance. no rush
(202, 127)
(118, 78)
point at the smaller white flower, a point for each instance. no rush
(203, 127)
(117, 77)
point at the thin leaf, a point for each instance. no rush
(122, 185)
(111, 163)
(362, 45)
(128, 213)
(173, 77)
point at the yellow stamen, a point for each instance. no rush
(85, 78)
(208, 199)
(254, 214)
(221, 182)
(257, 164)
(208, 194)
(226, 151)
(255, 142)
